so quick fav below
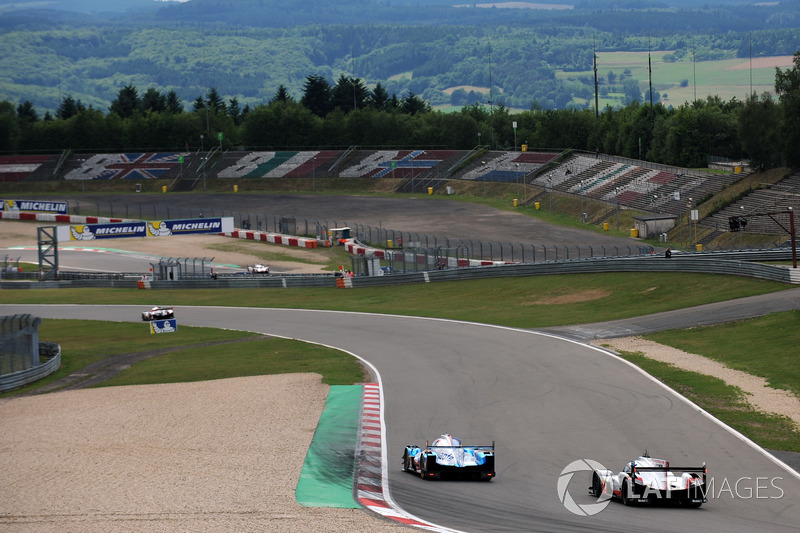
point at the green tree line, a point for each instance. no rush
(519, 63)
(763, 129)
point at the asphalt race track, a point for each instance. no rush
(79, 261)
(103, 260)
(545, 400)
(701, 315)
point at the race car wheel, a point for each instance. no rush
(596, 490)
(692, 505)
(626, 500)
(406, 465)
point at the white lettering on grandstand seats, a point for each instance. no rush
(195, 225)
(41, 206)
(119, 229)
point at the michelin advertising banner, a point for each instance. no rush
(157, 228)
(189, 226)
(169, 325)
(37, 206)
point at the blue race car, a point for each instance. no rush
(447, 458)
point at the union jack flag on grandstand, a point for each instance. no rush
(138, 166)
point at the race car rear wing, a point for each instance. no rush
(471, 447)
(669, 468)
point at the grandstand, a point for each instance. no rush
(630, 184)
(24, 167)
(127, 166)
(775, 199)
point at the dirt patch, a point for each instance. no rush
(760, 395)
(583, 296)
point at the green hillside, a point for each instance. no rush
(519, 57)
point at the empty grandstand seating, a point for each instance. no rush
(632, 186)
(506, 166)
(22, 167)
(135, 166)
(627, 182)
(755, 207)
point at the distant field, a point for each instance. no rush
(726, 78)
(408, 75)
(467, 88)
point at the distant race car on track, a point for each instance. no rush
(158, 313)
(446, 457)
(649, 480)
(258, 269)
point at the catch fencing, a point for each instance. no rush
(375, 237)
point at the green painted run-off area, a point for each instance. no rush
(327, 476)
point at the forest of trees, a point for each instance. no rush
(762, 129)
(453, 56)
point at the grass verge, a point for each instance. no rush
(725, 402)
(253, 358)
(765, 346)
(190, 354)
(526, 302)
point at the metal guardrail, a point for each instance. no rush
(19, 379)
(744, 263)
(591, 266)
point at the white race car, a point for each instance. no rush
(258, 269)
(158, 313)
(649, 480)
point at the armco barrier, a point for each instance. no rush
(590, 266)
(700, 265)
(16, 380)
